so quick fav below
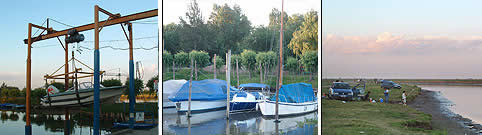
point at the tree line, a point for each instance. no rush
(248, 60)
(9, 92)
(228, 28)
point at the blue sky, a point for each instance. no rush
(17, 14)
(402, 39)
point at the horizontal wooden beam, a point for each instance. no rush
(123, 19)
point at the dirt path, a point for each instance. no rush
(427, 102)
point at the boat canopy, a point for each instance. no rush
(171, 86)
(254, 85)
(295, 93)
(204, 90)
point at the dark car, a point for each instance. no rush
(390, 84)
(343, 91)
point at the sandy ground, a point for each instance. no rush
(442, 117)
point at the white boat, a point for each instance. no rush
(242, 101)
(168, 88)
(206, 95)
(201, 106)
(294, 99)
(84, 97)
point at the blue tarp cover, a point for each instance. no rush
(254, 85)
(204, 90)
(295, 93)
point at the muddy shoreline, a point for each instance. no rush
(433, 103)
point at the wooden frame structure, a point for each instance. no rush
(97, 26)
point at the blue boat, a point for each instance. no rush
(244, 100)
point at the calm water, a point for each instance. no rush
(12, 123)
(242, 123)
(466, 100)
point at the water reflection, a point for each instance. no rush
(54, 123)
(215, 122)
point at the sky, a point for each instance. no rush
(48, 55)
(428, 39)
(257, 11)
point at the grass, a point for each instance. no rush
(243, 77)
(374, 118)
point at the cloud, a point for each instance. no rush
(388, 43)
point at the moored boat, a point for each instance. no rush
(168, 88)
(297, 98)
(206, 95)
(83, 96)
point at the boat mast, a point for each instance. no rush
(280, 81)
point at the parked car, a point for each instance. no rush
(343, 91)
(390, 84)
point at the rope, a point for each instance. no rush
(61, 23)
(41, 25)
(99, 41)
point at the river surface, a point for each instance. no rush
(214, 122)
(13, 123)
(463, 100)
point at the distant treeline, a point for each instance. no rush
(228, 28)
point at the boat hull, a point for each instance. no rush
(201, 106)
(85, 97)
(166, 103)
(285, 109)
(242, 106)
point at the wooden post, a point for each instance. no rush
(280, 65)
(28, 127)
(190, 90)
(173, 70)
(214, 59)
(228, 80)
(66, 65)
(237, 72)
(260, 73)
(195, 68)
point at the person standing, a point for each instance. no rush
(404, 98)
(386, 95)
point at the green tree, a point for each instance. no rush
(219, 62)
(248, 60)
(306, 38)
(150, 83)
(138, 86)
(111, 82)
(167, 59)
(259, 39)
(172, 38)
(309, 59)
(38, 93)
(201, 60)
(291, 64)
(230, 27)
(181, 59)
(193, 28)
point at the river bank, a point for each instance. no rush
(433, 103)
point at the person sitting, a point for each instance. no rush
(366, 97)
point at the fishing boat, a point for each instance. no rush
(206, 95)
(297, 98)
(168, 88)
(81, 97)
